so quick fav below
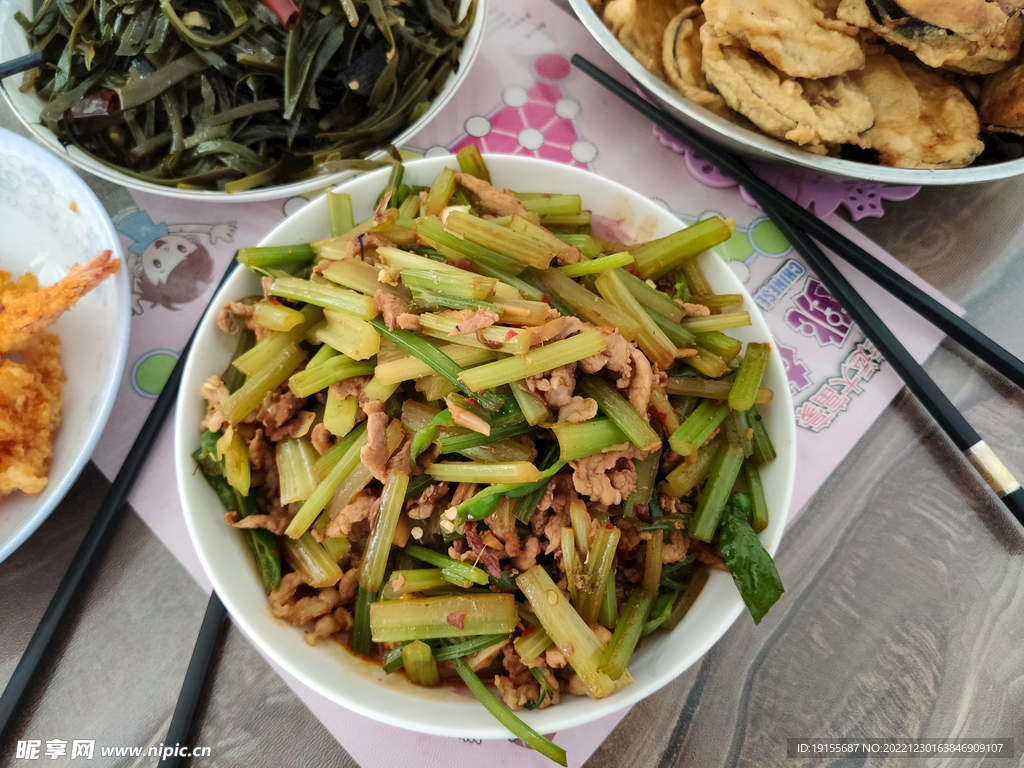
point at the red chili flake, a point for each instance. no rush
(609, 527)
(631, 270)
(546, 299)
(529, 631)
(274, 300)
(465, 264)
(472, 401)
(456, 618)
(510, 335)
(658, 414)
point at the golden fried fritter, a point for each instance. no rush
(1002, 101)
(25, 308)
(812, 113)
(921, 121)
(681, 60)
(794, 36)
(973, 36)
(30, 414)
(640, 26)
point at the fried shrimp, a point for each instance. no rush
(26, 309)
(792, 35)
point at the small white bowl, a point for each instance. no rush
(761, 146)
(27, 106)
(360, 685)
(41, 233)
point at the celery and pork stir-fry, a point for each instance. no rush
(471, 438)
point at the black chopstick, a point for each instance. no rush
(195, 676)
(21, 64)
(87, 558)
(774, 204)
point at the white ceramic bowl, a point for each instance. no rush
(361, 686)
(27, 107)
(761, 146)
(40, 233)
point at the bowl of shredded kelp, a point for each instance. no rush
(234, 100)
(479, 462)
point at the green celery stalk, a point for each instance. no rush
(472, 162)
(646, 472)
(745, 387)
(259, 384)
(471, 287)
(313, 379)
(687, 598)
(419, 663)
(675, 332)
(599, 566)
(725, 347)
(570, 220)
(440, 192)
(327, 462)
(310, 560)
(720, 322)
(513, 341)
(684, 478)
(455, 568)
(534, 409)
(530, 646)
(609, 614)
(339, 211)
(589, 306)
(324, 295)
(524, 284)
(707, 363)
(543, 204)
(634, 613)
(696, 280)
(267, 256)
(317, 500)
(617, 408)
(567, 630)
(649, 337)
(503, 240)
(761, 442)
(736, 432)
(340, 415)
(650, 298)
(378, 544)
(711, 389)
(408, 581)
(407, 368)
(295, 460)
(755, 488)
(237, 470)
(517, 727)
(463, 441)
(276, 317)
(360, 276)
(468, 647)
(360, 642)
(539, 360)
(576, 441)
(360, 476)
(717, 300)
(659, 257)
(349, 335)
(580, 520)
(571, 565)
(587, 245)
(721, 479)
(424, 618)
(698, 427)
(522, 312)
(433, 232)
(479, 472)
(263, 354)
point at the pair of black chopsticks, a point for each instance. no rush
(86, 562)
(799, 226)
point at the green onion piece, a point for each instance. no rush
(687, 598)
(445, 563)
(480, 472)
(267, 256)
(567, 630)
(392, 660)
(360, 641)
(720, 322)
(617, 408)
(261, 383)
(661, 609)
(378, 544)
(419, 663)
(711, 389)
(684, 478)
(634, 613)
(468, 647)
(472, 162)
(425, 436)
(744, 390)
(317, 500)
(310, 560)
(462, 442)
(423, 618)
(755, 489)
(324, 295)
(276, 317)
(576, 441)
(589, 306)
(609, 614)
(517, 727)
(295, 460)
(659, 257)
(312, 380)
(650, 338)
(440, 192)
(721, 479)
(761, 442)
(538, 360)
(349, 335)
(698, 427)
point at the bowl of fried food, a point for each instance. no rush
(59, 373)
(440, 438)
(235, 101)
(899, 91)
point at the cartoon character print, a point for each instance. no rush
(168, 263)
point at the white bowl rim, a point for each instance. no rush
(84, 450)
(548, 720)
(471, 48)
(770, 149)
